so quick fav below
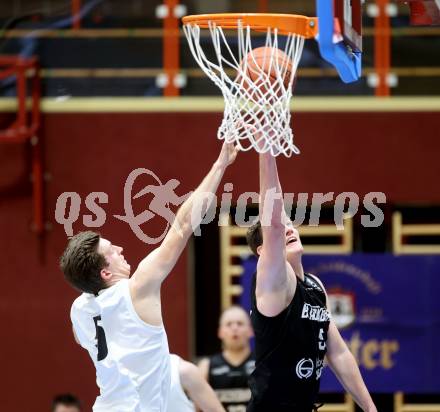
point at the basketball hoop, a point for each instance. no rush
(260, 99)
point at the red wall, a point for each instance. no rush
(361, 152)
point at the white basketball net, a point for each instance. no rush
(257, 110)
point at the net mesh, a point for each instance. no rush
(256, 92)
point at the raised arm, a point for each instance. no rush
(154, 268)
(273, 282)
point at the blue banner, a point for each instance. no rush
(387, 309)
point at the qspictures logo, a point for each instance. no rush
(205, 206)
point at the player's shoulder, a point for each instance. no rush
(204, 362)
(216, 359)
(82, 302)
(316, 279)
(88, 304)
(77, 306)
(174, 359)
(114, 294)
(203, 365)
(83, 308)
(175, 362)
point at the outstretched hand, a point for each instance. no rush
(227, 154)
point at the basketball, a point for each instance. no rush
(270, 61)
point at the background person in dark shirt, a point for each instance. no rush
(228, 371)
(66, 402)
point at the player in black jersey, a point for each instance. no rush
(228, 372)
(292, 325)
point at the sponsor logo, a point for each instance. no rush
(319, 368)
(316, 313)
(304, 368)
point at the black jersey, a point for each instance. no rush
(230, 383)
(290, 350)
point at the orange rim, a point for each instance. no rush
(285, 23)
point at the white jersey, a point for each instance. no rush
(131, 358)
(177, 400)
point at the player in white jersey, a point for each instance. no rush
(189, 389)
(118, 318)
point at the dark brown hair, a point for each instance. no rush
(82, 264)
(66, 399)
(254, 237)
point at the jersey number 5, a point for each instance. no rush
(101, 343)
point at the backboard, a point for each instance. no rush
(349, 15)
(340, 36)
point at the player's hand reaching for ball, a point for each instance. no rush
(227, 154)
